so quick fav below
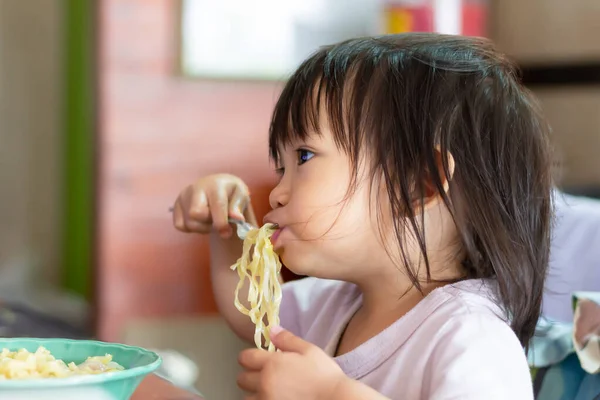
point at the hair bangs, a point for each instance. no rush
(329, 89)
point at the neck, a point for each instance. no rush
(394, 294)
(387, 297)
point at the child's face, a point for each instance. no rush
(324, 230)
(328, 232)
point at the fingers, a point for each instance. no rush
(238, 202)
(209, 203)
(249, 381)
(249, 213)
(254, 359)
(190, 212)
(218, 202)
(178, 218)
(198, 205)
(197, 217)
(286, 341)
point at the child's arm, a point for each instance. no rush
(204, 207)
(223, 254)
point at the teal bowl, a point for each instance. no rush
(119, 385)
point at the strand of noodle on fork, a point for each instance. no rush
(260, 265)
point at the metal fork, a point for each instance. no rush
(242, 227)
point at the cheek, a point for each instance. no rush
(334, 236)
(329, 214)
(316, 202)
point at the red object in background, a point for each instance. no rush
(419, 16)
(422, 18)
(474, 18)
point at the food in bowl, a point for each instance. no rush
(23, 364)
(121, 385)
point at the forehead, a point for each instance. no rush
(314, 140)
(320, 110)
(332, 91)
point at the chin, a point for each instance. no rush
(297, 265)
(292, 266)
(305, 266)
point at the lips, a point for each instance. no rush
(275, 235)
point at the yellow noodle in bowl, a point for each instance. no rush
(23, 364)
(66, 369)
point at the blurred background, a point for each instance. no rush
(109, 108)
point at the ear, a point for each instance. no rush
(431, 195)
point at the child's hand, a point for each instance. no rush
(300, 371)
(208, 203)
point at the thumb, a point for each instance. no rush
(286, 341)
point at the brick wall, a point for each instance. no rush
(158, 132)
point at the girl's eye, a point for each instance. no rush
(304, 155)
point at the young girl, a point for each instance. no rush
(415, 191)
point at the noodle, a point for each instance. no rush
(22, 364)
(261, 266)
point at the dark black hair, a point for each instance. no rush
(407, 99)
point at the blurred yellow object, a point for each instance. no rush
(398, 20)
(401, 16)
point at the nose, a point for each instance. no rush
(280, 194)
